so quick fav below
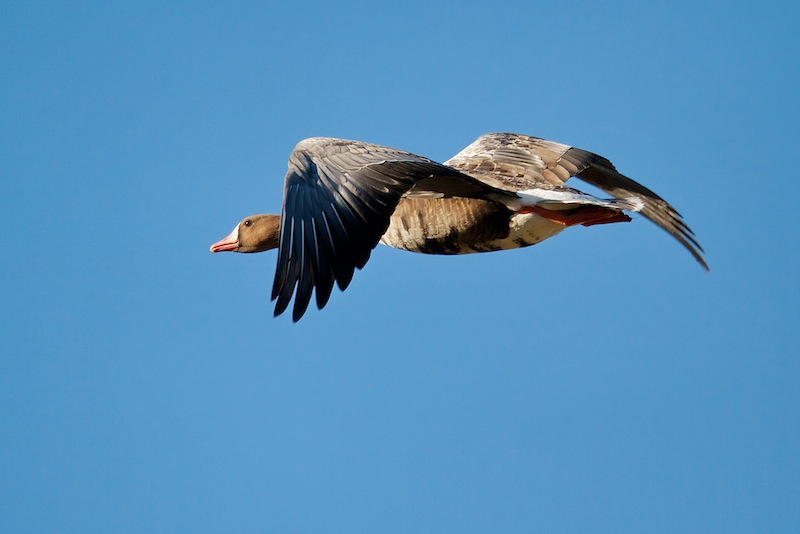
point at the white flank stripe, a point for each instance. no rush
(535, 197)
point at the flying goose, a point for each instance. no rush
(503, 191)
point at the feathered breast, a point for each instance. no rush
(446, 225)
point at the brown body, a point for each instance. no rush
(463, 226)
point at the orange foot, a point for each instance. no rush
(584, 215)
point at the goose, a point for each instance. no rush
(503, 191)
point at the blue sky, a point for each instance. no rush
(600, 381)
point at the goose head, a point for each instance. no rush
(256, 233)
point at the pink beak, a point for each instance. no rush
(229, 243)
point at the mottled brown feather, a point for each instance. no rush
(446, 225)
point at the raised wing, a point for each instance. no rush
(338, 198)
(518, 162)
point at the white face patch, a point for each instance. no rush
(235, 233)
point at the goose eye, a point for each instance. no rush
(248, 222)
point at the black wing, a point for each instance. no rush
(338, 198)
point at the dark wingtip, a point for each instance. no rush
(702, 262)
(282, 304)
(301, 300)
